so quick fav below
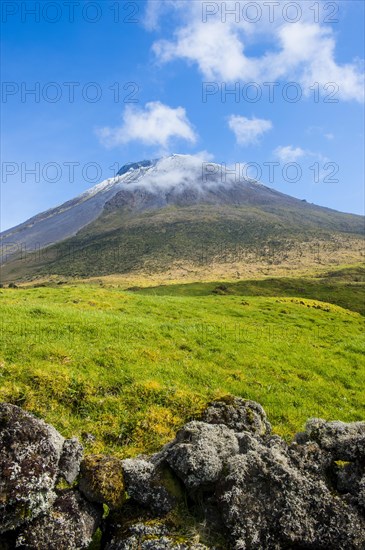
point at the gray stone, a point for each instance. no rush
(152, 485)
(68, 525)
(238, 414)
(350, 481)
(345, 441)
(268, 503)
(70, 460)
(246, 442)
(30, 451)
(199, 453)
(311, 458)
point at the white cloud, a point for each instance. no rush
(246, 130)
(218, 53)
(155, 125)
(303, 51)
(289, 153)
(177, 170)
(309, 51)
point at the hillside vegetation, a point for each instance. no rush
(197, 239)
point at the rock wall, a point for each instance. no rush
(225, 482)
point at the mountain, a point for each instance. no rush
(177, 212)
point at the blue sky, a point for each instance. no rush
(117, 82)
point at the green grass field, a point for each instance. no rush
(344, 287)
(123, 370)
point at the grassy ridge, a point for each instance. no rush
(123, 370)
(344, 287)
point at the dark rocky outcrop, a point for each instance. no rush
(70, 523)
(265, 500)
(152, 484)
(342, 441)
(33, 455)
(238, 415)
(224, 482)
(199, 453)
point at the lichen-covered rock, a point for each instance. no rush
(345, 441)
(350, 481)
(246, 442)
(238, 414)
(69, 465)
(310, 458)
(101, 480)
(30, 451)
(69, 525)
(200, 451)
(142, 536)
(268, 503)
(152, 485)
(360, 494)
(340, 455)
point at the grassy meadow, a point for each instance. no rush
(124, 369)
(344, 287)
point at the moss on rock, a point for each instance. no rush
(102, 480)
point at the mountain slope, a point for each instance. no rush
(177, 211)
(63, 221)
